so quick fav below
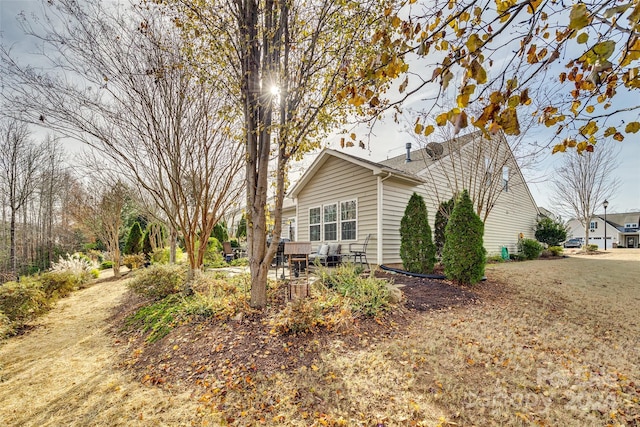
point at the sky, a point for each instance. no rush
(389, 138)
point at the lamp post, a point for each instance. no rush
(605, 204)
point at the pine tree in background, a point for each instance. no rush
(220, 232)
(442, 217)
(417, 251)
(133, 244)
(463, 255)
(242, 228)
(146, 243)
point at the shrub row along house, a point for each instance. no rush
(343, 198)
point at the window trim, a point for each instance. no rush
(354, 220)
(338, 221)
(315, 224)
(505, 178)
(593, 225)
(325, 223)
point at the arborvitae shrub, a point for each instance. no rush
(146, 243)
(242, 228)
(134, 240)
(463, 254)
(442, 217)
(220, 232)
(417, 251)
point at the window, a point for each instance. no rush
(348, 220)
(631, 225)
(593, 225)
(314, 224)
(505, 178)
(330, 221)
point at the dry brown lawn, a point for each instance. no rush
(551, 342)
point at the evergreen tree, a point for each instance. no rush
(442, 217)
(463, 255)
(133, 244)
(146, 243)
(551, 232)
(242, 228)
(417, 250)
(220, 232)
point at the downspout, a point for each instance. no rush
(379, 241)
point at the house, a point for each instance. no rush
(343, 198)
(622, 230)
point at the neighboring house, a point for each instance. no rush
(622, 230)
(343, 198)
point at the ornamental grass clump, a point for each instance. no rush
(463, 254)
(76, 264)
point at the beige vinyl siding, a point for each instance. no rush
(395, 196)
(340, 181)
(514, 213)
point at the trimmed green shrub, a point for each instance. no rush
(442, 217)
(417, 251)
(105, 265)
(591, 248)
(133, 244)
(530, 248)
(551, 232)
(463, 254)
(159, 281)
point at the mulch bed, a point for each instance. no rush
(195, 351)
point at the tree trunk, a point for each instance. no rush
(173, 244)
(12, 242)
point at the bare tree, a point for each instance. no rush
(19, 162)
(583, 181)
(97, 207)
(120, 83)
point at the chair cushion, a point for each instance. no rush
(334, 249)
(324, 250)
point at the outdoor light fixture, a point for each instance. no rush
(605, 204)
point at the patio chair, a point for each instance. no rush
(358, 251)
(227, 251)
